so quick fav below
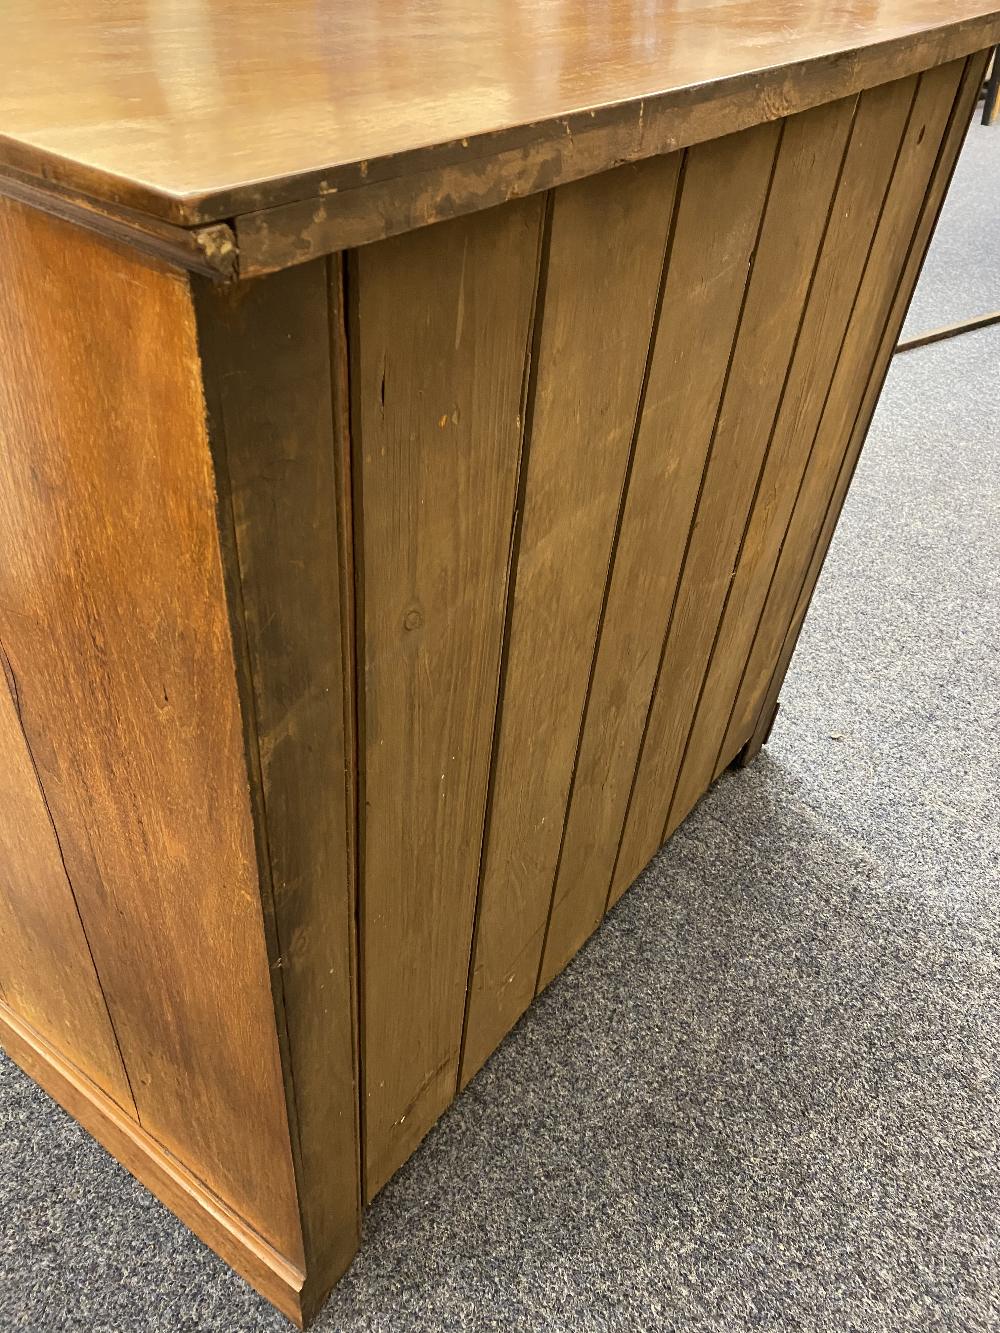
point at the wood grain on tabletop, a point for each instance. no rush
(195, 111)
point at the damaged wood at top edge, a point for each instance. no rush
(249, 230)
(439, 185)
(304, 150)
(210, 250)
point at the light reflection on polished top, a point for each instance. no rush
(194, 109)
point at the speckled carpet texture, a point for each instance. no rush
(767, 1094)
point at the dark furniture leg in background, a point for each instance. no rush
(991, 103)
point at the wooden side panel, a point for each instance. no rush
(113, 617)
(274, 351)
(760, 696)
(805, 175)
(440, 328)
(722, 193)
(601, 282)
(875, 142)
(46, 971)
(931, 110)
(173, 1184)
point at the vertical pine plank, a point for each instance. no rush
(805, 175)
(439, 332)
(606, 249)
(46, 970)
(722, 193)
(875, 141)
(929, 114)
(931, 109)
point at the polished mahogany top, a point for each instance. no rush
(193, 110)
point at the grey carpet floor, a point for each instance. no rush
(766, 1095)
